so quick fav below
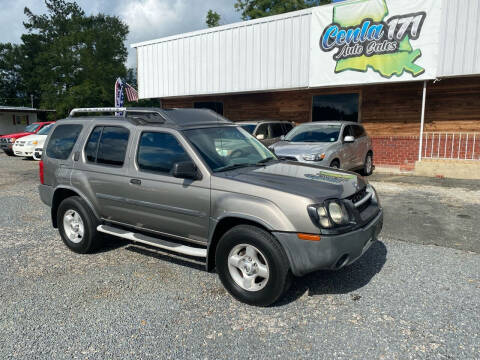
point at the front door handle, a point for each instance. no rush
(136, 181)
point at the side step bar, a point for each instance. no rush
(152, 241)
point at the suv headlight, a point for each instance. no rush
(11, 140)
(323, 217)
(338, 213)
(314, 157)
(330, 214)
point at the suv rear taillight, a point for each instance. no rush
(40, 168)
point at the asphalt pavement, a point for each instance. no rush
(414, 295)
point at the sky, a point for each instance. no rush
(146, 19)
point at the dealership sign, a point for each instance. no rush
(368, 41)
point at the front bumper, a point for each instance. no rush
(24, 150)
(332, 251)
(6, 146)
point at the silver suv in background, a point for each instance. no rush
(192, 183)
(337, 144)
(267, 131)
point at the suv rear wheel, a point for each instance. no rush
(252, 265)
(77, 225)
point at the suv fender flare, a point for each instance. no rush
(233, 219)
(77, 193)
(240, 216)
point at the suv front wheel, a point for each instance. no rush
(368, 164)
(77, 225)
(252, 265)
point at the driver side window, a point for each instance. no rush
(263, 130)
(158, 152)
(348, 131)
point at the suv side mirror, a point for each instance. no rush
(260, 136)
(185, 170)
(282, 137)
(348, 139)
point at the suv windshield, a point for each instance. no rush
(228, 147)
(315, 133)
(32, 127)
(250, 128)
(45, 130)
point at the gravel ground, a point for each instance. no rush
(402, 300)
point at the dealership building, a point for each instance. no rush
(14, 119)
(408, 70)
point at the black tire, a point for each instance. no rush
(335, 164)
(367, 170)
(274, 255)
(91, 240)
(9, 153)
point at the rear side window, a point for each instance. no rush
(158, 152)
(107, 145)
(92, 144)
(62, 141)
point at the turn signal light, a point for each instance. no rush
(309, 237)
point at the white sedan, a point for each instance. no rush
(30, 146)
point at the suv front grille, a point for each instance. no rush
(358, 195)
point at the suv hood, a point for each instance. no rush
(34, 137)
(310, 181)
(16, 135)
(288, 148)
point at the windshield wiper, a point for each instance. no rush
(233, 167)
(264, 161)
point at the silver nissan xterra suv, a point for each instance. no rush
(197, 185)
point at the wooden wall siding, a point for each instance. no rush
(453, 105)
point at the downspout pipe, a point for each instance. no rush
(422, 120)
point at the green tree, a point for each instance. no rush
(70, 59)
(253, 9)
(11, 85)
(213, 19)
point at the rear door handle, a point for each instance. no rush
(136, 181)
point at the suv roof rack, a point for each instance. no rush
(122, 112)
(180, 118)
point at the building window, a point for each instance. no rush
(335, 107)
(20, 120)
(212, 105)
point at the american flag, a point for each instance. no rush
(132, 94)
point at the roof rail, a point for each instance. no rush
(121, 111)
(99, 110)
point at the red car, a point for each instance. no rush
(6, 141)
